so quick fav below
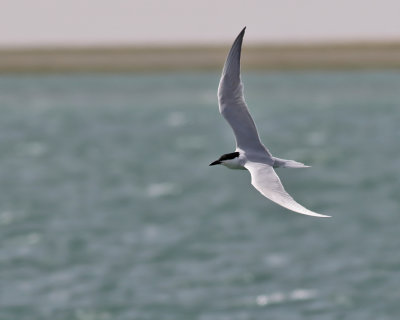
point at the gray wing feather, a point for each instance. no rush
(232, 104)
(267, 182)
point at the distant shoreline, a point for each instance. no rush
(385, 55)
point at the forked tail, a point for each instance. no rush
(283, 163)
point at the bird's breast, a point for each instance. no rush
(235, 164)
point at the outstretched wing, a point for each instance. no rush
(231, 102)
(265, 180)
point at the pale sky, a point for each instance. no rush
(96, 22)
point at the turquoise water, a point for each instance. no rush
(109, 210)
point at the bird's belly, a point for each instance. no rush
(234, 165)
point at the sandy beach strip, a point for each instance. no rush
(197, 58)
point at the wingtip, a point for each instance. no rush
(241, 34)
(314, 214)
(311, 213)
(318, 215)
(232, 62)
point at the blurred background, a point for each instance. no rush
(109, 119)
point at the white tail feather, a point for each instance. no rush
(283, 163)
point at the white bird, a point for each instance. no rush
(250, 153)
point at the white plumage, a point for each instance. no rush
(250, 153)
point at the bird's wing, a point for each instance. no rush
(231, 101)
(265, 180)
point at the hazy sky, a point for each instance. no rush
(85, 22)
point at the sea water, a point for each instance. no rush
(109, 210)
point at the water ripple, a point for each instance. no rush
(279, 297)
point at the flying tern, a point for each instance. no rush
(250, 153)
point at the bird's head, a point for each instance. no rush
(227, 159)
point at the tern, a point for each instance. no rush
(250, 153)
